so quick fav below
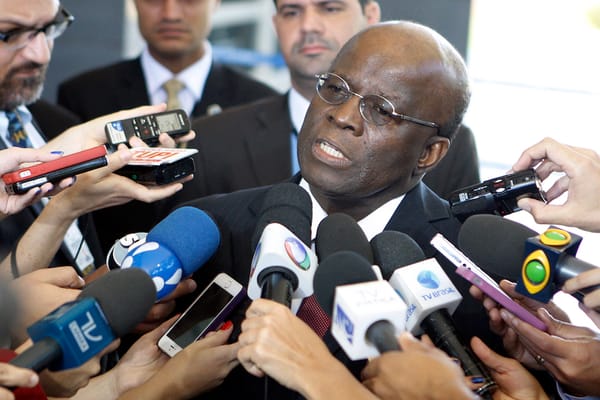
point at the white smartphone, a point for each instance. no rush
(207, 312)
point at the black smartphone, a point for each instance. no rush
(147, 127)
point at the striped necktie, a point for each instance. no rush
(16, 134)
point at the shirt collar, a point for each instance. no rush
(194, 77)
(298, 106)
(371, 225)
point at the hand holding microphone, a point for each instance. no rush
(431, 298)
(277, 343)
(76, 331)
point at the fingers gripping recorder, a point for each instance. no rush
(543, 256)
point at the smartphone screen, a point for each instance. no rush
(200, 315)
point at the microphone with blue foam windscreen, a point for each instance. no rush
(175, 248)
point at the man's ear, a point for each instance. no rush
(373, 12)
(435, 150)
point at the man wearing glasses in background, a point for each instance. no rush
(386, 112)
(255, 144)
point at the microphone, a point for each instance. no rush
(338, 232)
(431, 298)
(176, 247)
(539, 263)
(106, 309)
(367, 313)
(283, 264)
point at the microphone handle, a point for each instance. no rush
(440, 328)
(569, 267)
(277, 287)
(38, 356)
(383, 336)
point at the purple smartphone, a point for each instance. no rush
(471, 272)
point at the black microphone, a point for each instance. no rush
(366, 312)
(75, 332)
(338, 232)
(512, 251)
(430, 296)
(283, 264)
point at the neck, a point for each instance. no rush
(176, 62)
(306, 87)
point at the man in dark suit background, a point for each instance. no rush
(363, 157)
(176, 48)
(177, 51)
(255, 144)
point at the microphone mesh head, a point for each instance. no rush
(289, 205)
(495, 244)
(393, 250)
(125, 297)
(191, 234)
(339, 232)
(341, 268)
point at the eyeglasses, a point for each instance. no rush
(378, 110)
(18, 38)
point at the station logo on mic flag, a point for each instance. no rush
(297, 253)
(161, 264)
(428, 279)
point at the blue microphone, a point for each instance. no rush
(106, 309)
(176, 247)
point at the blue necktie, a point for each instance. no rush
(15, 133)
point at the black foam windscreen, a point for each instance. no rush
(495, 244)
(289, 205)
(393, 250)
(341, 268)
(125, 297)
(339, 232)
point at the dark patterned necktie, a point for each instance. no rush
(16, 135)
(311, 312)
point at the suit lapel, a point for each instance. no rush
(134, 90)
(214, 88)
(271, 140)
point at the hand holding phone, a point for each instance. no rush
(209, 310)
(471, 272)
(148, 127)
(22, 180)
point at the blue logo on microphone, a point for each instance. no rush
(342, 320)
(297, 253)
(428, 279)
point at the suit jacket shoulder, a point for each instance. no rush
(242, 147)
(52, 119)
(227, 87)
(104, 90)
(459, 168)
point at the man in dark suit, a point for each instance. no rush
(177, 51)
(384, 116)
(254, 144)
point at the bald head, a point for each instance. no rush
(414, 53)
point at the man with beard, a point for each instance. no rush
(255, 144)
(27, 32)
